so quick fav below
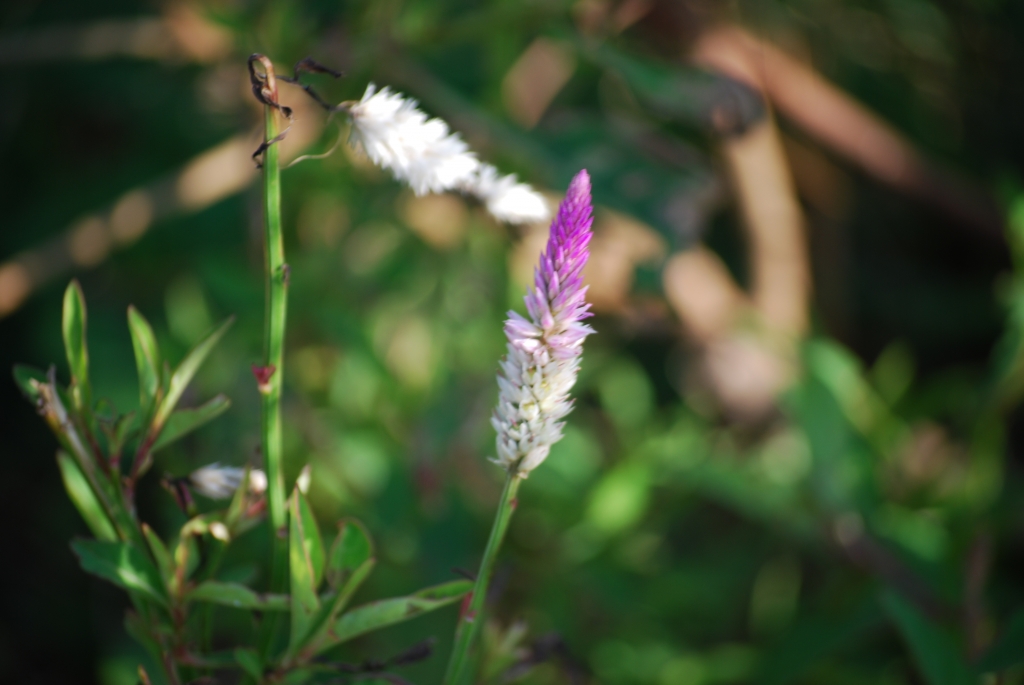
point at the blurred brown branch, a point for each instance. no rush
(844, 126)
(180, 34)
(209, 177)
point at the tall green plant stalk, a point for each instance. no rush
(471, 617)
(270, 377)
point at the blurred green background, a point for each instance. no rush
(795, 454)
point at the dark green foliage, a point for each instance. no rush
(937, 655)
(1008, 649)
(121, 564)
(661, 542)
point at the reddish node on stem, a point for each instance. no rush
(263, 375)
(464, 612)
(256, 508)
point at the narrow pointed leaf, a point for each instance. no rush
(302, 548)
(352, 583)
(1008, 650)
(147, 359)
(73, 327)
(334, 605)
(184, 421)
(164, 562)
(299, 676)
(350, 550)
(250, 662)
(238, 502)
(936, 654)
(184, 373)
(121, 564)
(377, 615)
(313, 542)
(237, 596)
(84, 499)
(28, 378)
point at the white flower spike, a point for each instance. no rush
(397, 136)
(427, 155)
(506, 198)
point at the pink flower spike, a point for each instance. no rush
(544, 351)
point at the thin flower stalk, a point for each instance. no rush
(272, 371)
(536, 376)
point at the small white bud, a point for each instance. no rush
(302, 482)
(221, 482)
(216, 481)
(257, 482)
(220, 531)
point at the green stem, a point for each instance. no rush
(472, 616)
(206, 613)
(276, 312)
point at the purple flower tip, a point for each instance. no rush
(558, 280)
(579, 186)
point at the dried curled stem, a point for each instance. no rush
(264, 88)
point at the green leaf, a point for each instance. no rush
(937, 655)
(250, 662)
(348, 565)
(239, 500)
(816, 637)
(164, 561)
(84, 499)
(386, 612)
(121, 564)
(314, 544)
(336, 604)
(73, 327)
(237, 596)
(350, 550)
(147, 360)
(299, 676)
(305, 563)
(184, 421)
(355, 579)
(184, 373)
(1008, 650)
(27, 378)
